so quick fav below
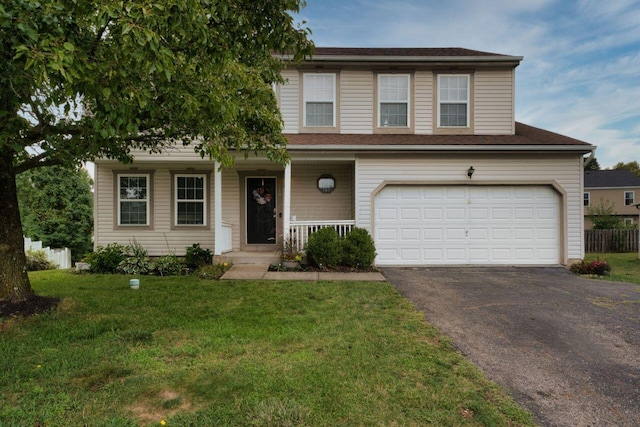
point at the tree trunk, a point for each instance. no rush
(14, 281)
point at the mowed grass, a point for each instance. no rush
(625, 267)
(186, 351)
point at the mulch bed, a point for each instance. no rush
(28, 307)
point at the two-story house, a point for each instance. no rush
(617, 188)
(417, 145)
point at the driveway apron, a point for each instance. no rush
(566, 348)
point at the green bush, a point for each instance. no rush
(37, 260)
(106, 259)
(136, 260)
(324, 248)
(358, 249)
(168, 265)
(197, 257)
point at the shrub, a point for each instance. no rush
(213, 271)
(324, 248)
(597, 267)
(197, 257)
(168, 265)
(358, 249)
(106, 259)
(136, 260)
(37, 260)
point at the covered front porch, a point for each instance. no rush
(303, 197)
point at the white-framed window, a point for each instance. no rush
(587, 199)
(628, 221)
(393, 100)
(453, 100)
(190, 199)
(319, 100)
(133, 199)
(628, 198)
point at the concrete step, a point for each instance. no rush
(242, 257)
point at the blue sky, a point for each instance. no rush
(581, 70)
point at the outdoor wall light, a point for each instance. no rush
(326, 183)
(470, 172)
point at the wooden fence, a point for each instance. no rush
(600, 241)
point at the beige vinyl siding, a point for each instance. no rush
(494, 106)
(308, 203)
(423, 116)
(565, 169)
(356, 102)
(160, 240)
(290, 100)
(177, 153)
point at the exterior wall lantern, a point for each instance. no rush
(326, 183)
(470, 171)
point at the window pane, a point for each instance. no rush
(133, 213)
(454, 88)
(319, 87)
(453, 115)
(133, 187)
(394, 88)
(393, 114)
(319, 114)
(190, 213)
(190, 188)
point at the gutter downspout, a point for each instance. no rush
(589, 159)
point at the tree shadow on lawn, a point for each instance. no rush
(28, 306)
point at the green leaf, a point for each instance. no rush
(69, 46)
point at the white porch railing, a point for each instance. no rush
(227, 237)
(299, 231)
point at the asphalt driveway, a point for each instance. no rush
(566, 348)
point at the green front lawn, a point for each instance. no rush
(625, 267)
(186, 351)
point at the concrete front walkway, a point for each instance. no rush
(261, 272)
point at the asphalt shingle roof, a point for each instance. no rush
(610, 178)
(400, 51)
(525, 135)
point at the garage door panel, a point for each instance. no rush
(467, 225)
(453, 214)
(432, 213)
(409, 213)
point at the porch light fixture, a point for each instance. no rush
(470, 171)
(326, 183)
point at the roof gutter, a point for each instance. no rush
(477, 148)
(393, 58)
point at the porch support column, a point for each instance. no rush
(217, 208)
(286, 208)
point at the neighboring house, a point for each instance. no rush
(418, 146)
(617, 187)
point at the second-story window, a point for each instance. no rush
(319, 100)
(587, 199)
(453, 100)
(393, 100)
(628, 198)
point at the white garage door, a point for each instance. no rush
(484, 225)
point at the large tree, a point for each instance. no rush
(82, 79)
(56, 207)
